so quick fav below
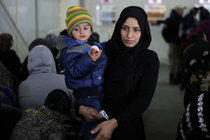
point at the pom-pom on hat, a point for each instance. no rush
(76, 15)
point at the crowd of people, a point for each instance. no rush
(189, 67)
(104, 88)
(27, 85)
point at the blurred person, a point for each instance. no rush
(6, 77)
(52, 45)
(172, 25)
(34, 43)
(42, 78)
(96, 36)
(204, 22)
(45, 122)
(195, 121)
(188, 23)
(10, 59)
(191, 56)
(10, 113)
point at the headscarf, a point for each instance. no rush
(126, 61)
(115, 45)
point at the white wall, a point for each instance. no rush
(157, 44)
(51, 19)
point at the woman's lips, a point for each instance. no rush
(128, 41)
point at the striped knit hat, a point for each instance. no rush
(76, 15)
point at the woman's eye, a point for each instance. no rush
(124, 28)
(137, 30)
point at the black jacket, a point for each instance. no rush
(173, 22)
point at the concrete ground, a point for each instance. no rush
(161, 119)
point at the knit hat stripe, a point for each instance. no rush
(75, 9)
(75, 14)
(77, 18)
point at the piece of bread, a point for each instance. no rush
(95, 48)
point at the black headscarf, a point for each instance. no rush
(124, 63)
(115, 45)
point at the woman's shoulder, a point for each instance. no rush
(150, 58)
(150, 54)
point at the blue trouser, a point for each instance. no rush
(92, 101)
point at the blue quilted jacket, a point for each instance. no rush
(82, 75)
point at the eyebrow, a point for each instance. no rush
(131, 27)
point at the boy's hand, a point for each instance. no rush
(94, 54)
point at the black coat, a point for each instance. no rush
(130, 78)
(173, 23)
(193, 58)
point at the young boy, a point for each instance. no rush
(84, 66)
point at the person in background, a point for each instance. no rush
(96, 37)
(52, 45)
(188, 23)
(10, 113)
(195, 121)
(130, 78)
(45, 122)
(10, 59)
(174, 53)
(192, 55)
(42, 79)
(84, 66)
(204, 22)
(6, 78)
(34, 43)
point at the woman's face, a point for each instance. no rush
(130, 32)
(82, 32)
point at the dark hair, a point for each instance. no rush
(5, 41)
(36, 42)
(51, 40)
(204, 13)
(197, 36)
(194, 11)
(58, 100)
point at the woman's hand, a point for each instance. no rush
(90, 114)
(105, 129)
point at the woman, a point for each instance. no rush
(130, 78)
(195, 121)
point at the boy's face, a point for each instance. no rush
(82, 32)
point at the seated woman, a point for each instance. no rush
(195, 122)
